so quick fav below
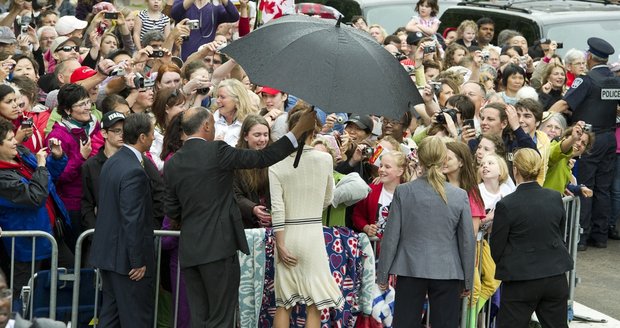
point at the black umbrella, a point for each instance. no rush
(334, 67)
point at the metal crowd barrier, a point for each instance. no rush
(572, 231)
(76, 278)
(34, 234)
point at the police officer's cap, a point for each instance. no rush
(600, 48)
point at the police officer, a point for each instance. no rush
(593, 98)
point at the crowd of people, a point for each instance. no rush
(127, 121)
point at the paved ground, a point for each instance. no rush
(599, 270)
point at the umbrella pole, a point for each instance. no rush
(300, 148)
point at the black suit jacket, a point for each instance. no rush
(123, 237)
(91, 169)
(527, 240)
(199, 194)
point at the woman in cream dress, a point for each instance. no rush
(298, 196)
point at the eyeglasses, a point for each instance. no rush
(6, 293)
(69, 48)
(83, 104)
(116, 131)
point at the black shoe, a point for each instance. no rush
(597, 244)
(582, 247)
(613, 233)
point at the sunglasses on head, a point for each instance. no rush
(69, 48)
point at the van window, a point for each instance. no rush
(527, 27)
(576, 34)
(390, 17)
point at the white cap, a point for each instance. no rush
(68, 24)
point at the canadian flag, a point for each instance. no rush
(271, 9)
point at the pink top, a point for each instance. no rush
(477, 208)
(618, 140)
(428, 22)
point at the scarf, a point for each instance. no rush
(26, 171)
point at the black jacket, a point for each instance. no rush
(199, 195)
(90, 190)
(527, 241)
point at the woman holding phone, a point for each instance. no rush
(80, 134)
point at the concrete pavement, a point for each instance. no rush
(599, 289)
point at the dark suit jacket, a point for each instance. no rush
(199, 194)
(527, 240)
(123, 237)
(91, 169)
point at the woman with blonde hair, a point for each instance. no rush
(527, 245)
(428, 243)
(233, 105)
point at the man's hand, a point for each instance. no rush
(137, 274)
(306, 123)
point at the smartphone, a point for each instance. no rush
(26, 124)
(110, 15)
(469, 123)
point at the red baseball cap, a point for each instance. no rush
(270, 91)
(82, 73)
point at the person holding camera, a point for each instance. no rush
(204, 18)
(79, 132)
(10, 110)
(600, 90)
(29, 199)
(358, 130)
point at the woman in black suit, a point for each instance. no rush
(527, 244)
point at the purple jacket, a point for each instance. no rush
(69, 183)
(209, 16)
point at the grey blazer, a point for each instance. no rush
(427, 238)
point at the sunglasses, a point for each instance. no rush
(69, 48)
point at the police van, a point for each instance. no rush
(569, 22)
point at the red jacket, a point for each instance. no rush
(365, 211)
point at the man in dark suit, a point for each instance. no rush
(527, 245)
(199, 195)
(123, 247)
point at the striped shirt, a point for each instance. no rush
(149, 24)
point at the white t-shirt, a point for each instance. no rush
(383, 209)
(491, 199)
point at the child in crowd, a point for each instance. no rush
(426, 21)
(151, 19)
(466, 34)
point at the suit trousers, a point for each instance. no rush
(444, 298)
(126, 303)
(548, 297)
(213, 292)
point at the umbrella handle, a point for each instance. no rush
(300, 148)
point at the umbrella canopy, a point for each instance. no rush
(312, 9)
(332, 66)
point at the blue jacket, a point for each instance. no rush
(22, 204)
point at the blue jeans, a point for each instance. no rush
(615, 195)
